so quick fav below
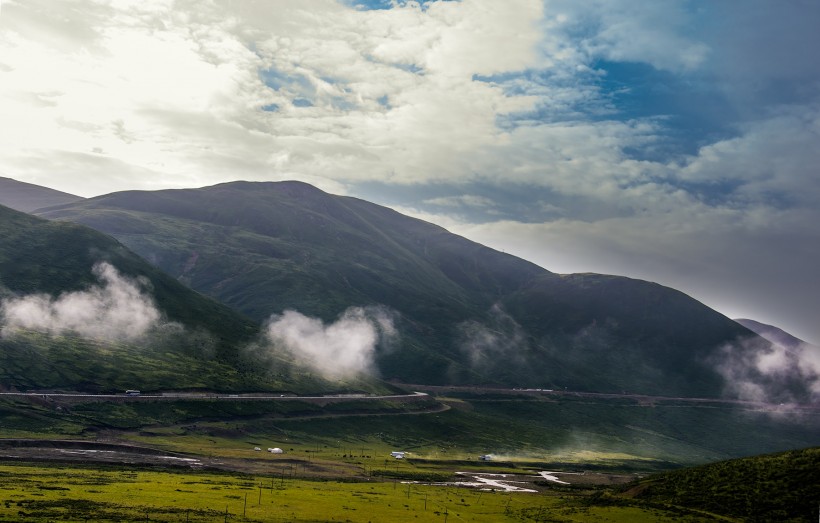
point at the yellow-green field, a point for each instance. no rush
(79, 493)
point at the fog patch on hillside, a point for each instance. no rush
(756, 370)
(499, 339)
(342, 349)
(118, 309)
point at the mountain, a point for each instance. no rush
(73, 299)
(465, 313)
(773, 334)
(27, 197)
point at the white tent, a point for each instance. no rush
(276, 450)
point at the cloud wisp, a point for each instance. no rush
(343, 349)
(499, 339)
(118, 309)
(758, 371)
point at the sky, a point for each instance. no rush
(673, 141)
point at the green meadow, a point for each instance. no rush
(337, 466)
(81, 493)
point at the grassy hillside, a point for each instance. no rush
(39, 256)
(462, 308)
(196, 344)
(777, 487)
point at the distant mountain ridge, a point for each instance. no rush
(466, 313)
(27, 197)
(772, 333)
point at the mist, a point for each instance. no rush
(117, 309)
(501, 338)
(756, 370)
(342, 349)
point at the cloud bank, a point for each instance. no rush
(342, 349)
(633, 137)
(116, 310)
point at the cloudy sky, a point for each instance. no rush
(673, 141)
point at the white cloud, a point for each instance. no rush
(629, 30)
(775, 156)
(176, 94)
(116, 310)
(344, 348)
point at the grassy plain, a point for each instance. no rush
(56, 492)
(337, 464)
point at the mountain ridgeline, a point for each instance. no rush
(465, 313)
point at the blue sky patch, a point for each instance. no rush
(373, 5)
(277, 80)
(693, 112)
(369, 5)
(410, 68)
(690, 111)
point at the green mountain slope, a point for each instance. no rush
(193, 342)
(28, 197)
(466, 313)
(776, 487)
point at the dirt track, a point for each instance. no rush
(121, 454)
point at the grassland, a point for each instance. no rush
(55, 492)
(337, 464)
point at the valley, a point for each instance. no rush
(391, 261)
(511, 393)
